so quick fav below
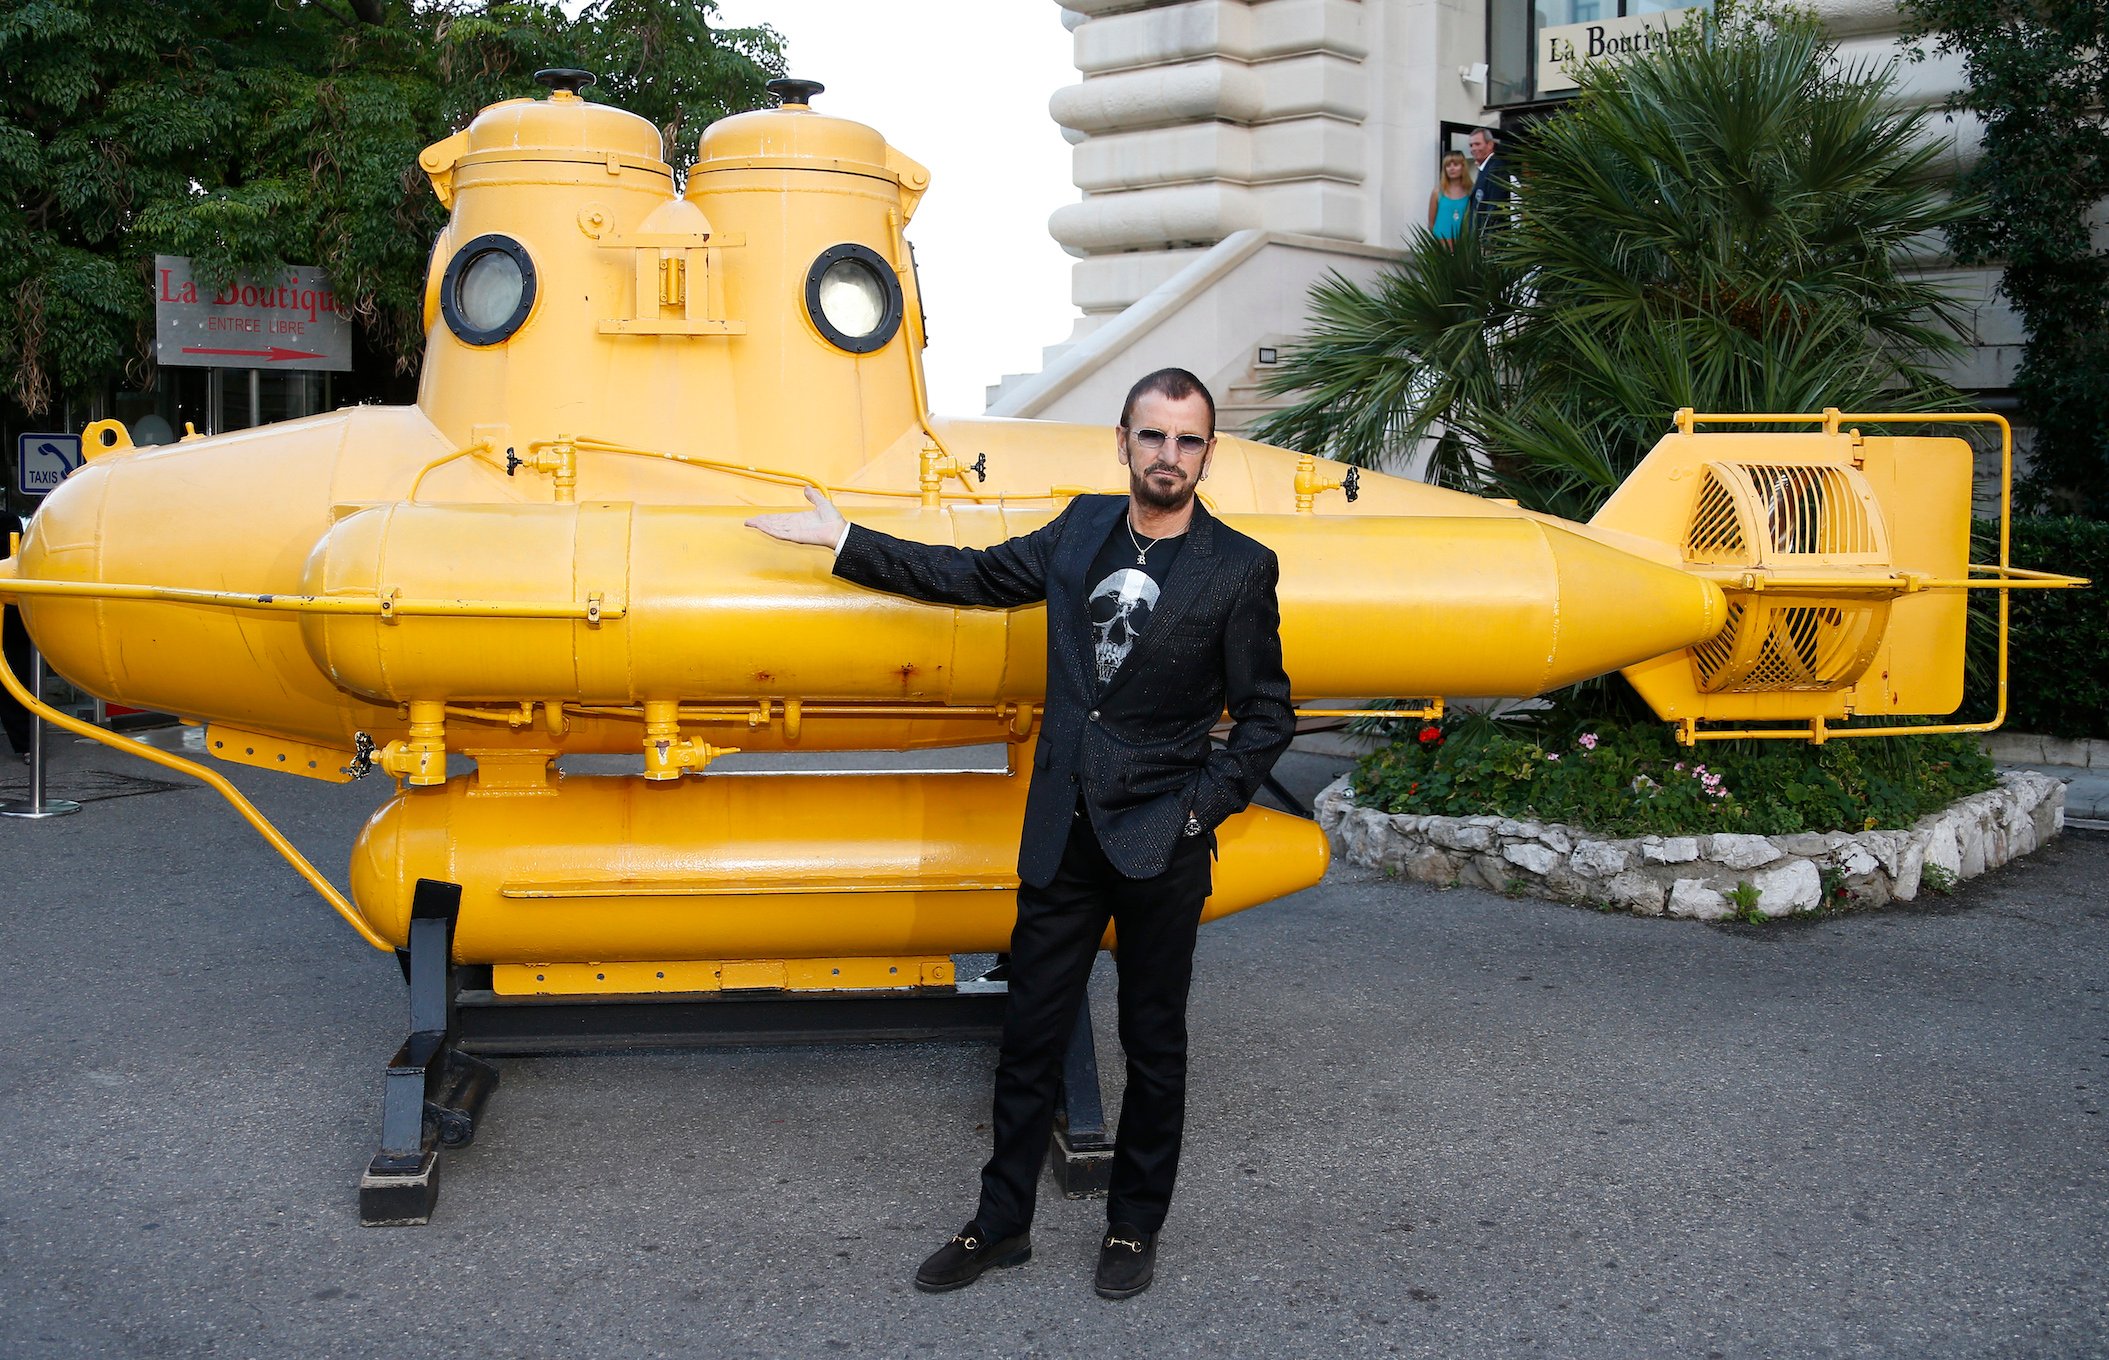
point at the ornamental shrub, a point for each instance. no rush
(1631, 778)
(2055, 679)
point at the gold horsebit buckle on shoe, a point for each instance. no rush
(970, 1243)
(1124, 1242)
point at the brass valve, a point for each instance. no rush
(559, 457)
(668, 754)
(1311, 483)
(937, 465)
(421, 760)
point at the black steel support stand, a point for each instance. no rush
(513, 1027)
(434, 1092)
(439, 1079)
(1081, 1153)
(1288, 801)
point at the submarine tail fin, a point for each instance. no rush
(1844, 553)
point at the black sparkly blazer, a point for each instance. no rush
(1138, 749)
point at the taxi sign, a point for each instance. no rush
(43, 460)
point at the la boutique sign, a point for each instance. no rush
(293, 321)
(1564, 51)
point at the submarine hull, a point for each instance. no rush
(743, 867)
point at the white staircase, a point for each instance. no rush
(1211, 317)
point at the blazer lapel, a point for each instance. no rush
(1190, 571)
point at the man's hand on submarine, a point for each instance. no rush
(822, 526)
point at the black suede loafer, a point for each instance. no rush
(1127, 1258)
(961, 1261)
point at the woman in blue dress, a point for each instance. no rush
(1451, 196)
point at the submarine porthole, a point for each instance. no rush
(488, 290)
(853, 298)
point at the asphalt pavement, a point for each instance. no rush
(1433, 1123)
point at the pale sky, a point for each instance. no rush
(962, 86)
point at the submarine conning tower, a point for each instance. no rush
(771, 305)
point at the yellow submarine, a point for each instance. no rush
(545, 557)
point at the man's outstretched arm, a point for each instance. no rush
(1009, 574)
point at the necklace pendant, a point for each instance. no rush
(1141, 560)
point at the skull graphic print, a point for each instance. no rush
(1120, 610)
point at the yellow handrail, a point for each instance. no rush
(1759, 580)
(217, 783)
(382, 605)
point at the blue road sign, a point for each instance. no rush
(43, 460)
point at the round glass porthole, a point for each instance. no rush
(488, 290)
(854, 298)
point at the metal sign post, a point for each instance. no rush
(38, 805)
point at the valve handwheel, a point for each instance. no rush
(569, 79)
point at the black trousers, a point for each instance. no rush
(1052, 950)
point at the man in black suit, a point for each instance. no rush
(1494, 187)
(1159, 617)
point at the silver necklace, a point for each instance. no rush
(1142, 554)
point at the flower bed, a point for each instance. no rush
(1630, 778)
(1704, 876)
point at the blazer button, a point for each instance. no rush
(1094, 715)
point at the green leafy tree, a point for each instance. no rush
(248, 134)
(2037, 71)
(1722, 225)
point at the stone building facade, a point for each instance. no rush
(1229, 153)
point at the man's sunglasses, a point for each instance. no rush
(1188, 445)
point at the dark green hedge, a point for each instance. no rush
(2058, 653)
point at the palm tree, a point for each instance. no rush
(1722, 224)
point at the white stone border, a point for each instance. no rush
(1692, 876)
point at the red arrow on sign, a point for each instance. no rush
(271, 355)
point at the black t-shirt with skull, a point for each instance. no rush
(1124, 592)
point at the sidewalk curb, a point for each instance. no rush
(2029, 748)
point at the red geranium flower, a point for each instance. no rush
(1431, 734)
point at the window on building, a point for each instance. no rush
(1508, 52)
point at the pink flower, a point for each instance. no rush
(1587, 741)
(1680, 766)
(1555, 755)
